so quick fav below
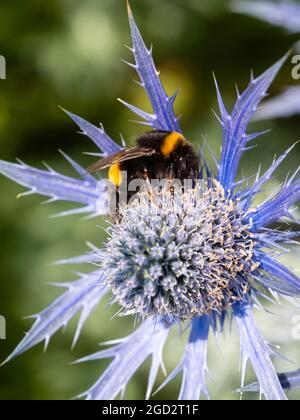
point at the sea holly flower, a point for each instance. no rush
(197, 256)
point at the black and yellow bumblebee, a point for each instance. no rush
(156, 155)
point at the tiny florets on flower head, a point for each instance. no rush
(179, 254)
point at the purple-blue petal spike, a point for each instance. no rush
(148, 340)
(82, 295)
(194, 362)
(247, 195)
(80, 170)
(278, 277)
(50, 183)
(283, 13)
(284, 105)
(234, 126)
(88, 258)
(274, 209)
(289, 381)
(255, 349)
(163, 117)
(96, 134)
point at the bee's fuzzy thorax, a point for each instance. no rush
(171, 143)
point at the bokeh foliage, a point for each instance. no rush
(68, 52)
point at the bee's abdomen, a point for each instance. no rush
(114, 174)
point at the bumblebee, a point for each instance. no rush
(157, 155)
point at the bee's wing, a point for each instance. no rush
(122, 156)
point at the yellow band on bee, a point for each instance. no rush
(171, 142)
(114, 174)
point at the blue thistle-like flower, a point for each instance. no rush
(197, 255)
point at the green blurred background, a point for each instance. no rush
(68, 52)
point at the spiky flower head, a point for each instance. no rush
(201, 254)
(180, 254)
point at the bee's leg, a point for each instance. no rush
(145, 174)
(170, 172)
(114, 204)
